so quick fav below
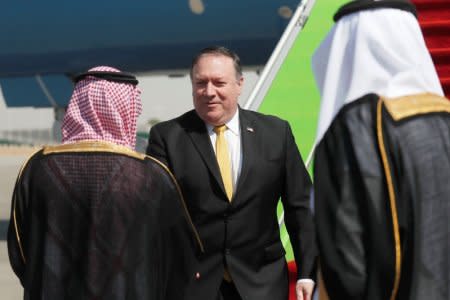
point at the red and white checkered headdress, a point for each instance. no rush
(103, 110)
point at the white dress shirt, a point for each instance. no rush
(233, 137)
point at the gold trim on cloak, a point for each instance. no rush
(93, 146)
(16, 225)
(392, 200)
(412, 105)
(102, 146)
(188, 216)
(399, 108)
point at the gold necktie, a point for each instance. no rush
(223, 159)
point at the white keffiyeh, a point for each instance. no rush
(378, 51)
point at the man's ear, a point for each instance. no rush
(240, 83)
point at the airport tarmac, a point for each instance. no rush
(10, 163)
(10, 287)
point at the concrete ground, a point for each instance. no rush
(10, 163)
(9, 284)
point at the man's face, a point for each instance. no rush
(215, 88)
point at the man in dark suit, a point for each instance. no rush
(233, 203)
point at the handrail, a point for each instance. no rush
(279, 54)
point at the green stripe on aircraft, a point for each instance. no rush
(293, 94)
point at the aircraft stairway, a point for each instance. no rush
(434, 19)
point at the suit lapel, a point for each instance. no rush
(200, 138)
(248, 144)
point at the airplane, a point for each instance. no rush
(45, 43)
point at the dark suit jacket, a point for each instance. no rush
(243, 234)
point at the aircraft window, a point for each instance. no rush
(197, 6)
(285, 12)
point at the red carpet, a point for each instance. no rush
(434, 19)
(293, 278)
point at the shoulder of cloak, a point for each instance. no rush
(414, 105)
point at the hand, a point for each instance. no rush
(304, 290)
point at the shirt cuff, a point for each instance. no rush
(307, 280)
